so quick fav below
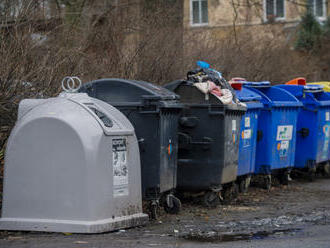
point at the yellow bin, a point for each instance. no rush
(325, 84)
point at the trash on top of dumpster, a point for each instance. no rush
(71, 165)
(248, 135)
(313, 128)
(210, 81)
(208, 139)
(154, 112)
(276, 131)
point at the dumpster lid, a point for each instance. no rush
(313, 88)
(276, 96)
(309, 94)
(124, 91)
(250, 98)
(257, 84)
(246, 95)
(325, 84)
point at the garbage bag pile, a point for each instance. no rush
(210, 81)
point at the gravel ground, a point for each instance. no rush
(297, 215)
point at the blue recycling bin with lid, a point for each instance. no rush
(276, 138)
(313, 128)
(248, 135)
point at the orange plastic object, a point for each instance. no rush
(297, 81)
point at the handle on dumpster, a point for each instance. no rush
(141, 143)
(260, 135)
(189, 121)
(304, 132)
(185, 141)
(216, 110)
(308, 109)
(206, 141)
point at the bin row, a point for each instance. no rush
(191, 142)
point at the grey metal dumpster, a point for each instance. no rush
(72, 165)
(154, 112)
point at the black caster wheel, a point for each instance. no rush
(211, 199)
(244, 185)
(284, 178)
(230, 193)
(326, 170)
(311, 175)
(268, 182)
(172, 205)
(154, 210)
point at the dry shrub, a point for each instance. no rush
(257, 57)
(145, 42)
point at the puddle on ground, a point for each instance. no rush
(212, 236)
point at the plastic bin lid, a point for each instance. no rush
(257, 84)
(325, 84)
(315, 87)
(246, 95)
(116, 90)
(250, 98)
(309, 94)
(276, 96)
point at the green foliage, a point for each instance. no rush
(309, 33)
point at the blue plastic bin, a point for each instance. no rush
(313, 129)
(276, 139)
(248, 136)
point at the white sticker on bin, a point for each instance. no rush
(120, 167)
(327, 116)
(247, 122)
(247, 134)
(233, 125)
(284, 132)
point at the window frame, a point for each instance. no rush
(324, 10)
(200, 14)
(276, 18)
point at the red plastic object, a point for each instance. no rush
(237, 86)
(297, 81)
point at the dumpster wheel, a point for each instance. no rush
(284, 177)
(268, 182)
(244, 184)
(211, 199)
(311, 174)
(326, 169)
(230, 193)
(172, 204)
(154, 209)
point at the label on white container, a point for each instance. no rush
(327, 116)
(120, 168)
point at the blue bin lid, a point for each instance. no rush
(274, 96)
(257, 84)
(314, 87)
(308, 94)
(249, 97)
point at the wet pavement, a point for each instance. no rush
(297, 215)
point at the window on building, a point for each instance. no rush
(317, 8)
(199, 12)
(275, 9)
